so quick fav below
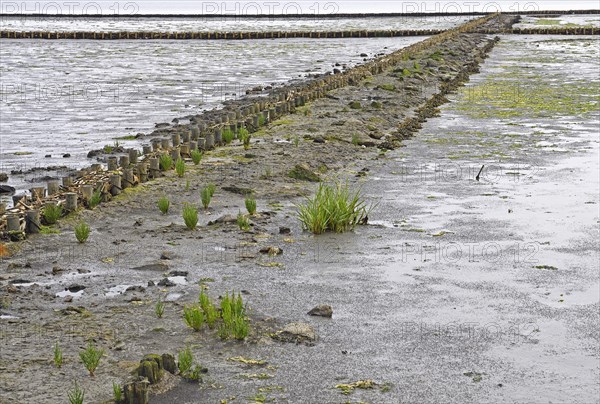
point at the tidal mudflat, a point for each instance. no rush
(475, 278)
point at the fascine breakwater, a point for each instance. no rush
(204, 132)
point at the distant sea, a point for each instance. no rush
(136, 7)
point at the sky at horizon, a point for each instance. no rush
(126, 7)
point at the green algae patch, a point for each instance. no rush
(513, 99)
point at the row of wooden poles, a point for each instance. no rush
(280, 34)
(214, 35)
(136, 167)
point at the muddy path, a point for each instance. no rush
(459, 290)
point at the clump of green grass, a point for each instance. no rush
(416, 67)
(186, 359)
(212, 188)
(187, 185)
(164, 204)
(52, 213)
(234, 320)
(205, 196)
(82, 232)
(333, 208)
(107, 149)
(159, 307)
(250, 205)
(76, 395)
(296, 140)
(180, 167)
(190, 216)
(58, 356)
(228, 136)
(355, 139)
(355, 105)
(95, 199)
(193, 317)
(245, 138)
(91, 357)
(210, 311)
(117, 392)
(243, 222)
(166, 162)
(261, 120)
(196, 157)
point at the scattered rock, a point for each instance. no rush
(178, 273)
(304, 173)
(355, 105)
(297, 333)
(66, 155)
(136, 288)
(284, 230)
(7, 190)
(74, 288)
(3, 177)
(272, 251)
(238, 190)
(319, 139)
(165, 255)
(68, 299)
(224, 219)
(151, 283)
(159, 266)
(56, 270)
(83, 271)
(18, 281)
(322, 310)
(166, 282)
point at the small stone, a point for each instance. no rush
(178, 273)
(322, 310)
(169, 365)
(165, 255)
(68, 299)
(166, 282)
(296, 332)
(284, 230)
(66, 155)
(3, 177)
(74, 288)
(56, 269)
(136, 288)
(160, 266)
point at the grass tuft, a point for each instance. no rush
(186, 359)
(117, 392)
(333, 208)
(164, 204)
(190, 216)
(76, 395)
(250, 205)
(82, 232)
(52, 213)
(180, 167)
(205, 196)
(95, 199)
(228, 136)
(193, 317)
(245, 138)
(196, 156)
(243, 222)
(159, 308)
(91, 358)
(166, 162)
(58, 356)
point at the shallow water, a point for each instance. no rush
(54, 24)
(73, 96)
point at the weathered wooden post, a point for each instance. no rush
(209, 141)
(155, 145)
(2, 208)
(13, 222)
(175, 155)
(112, 163)
(154, 167)
(218, 137)
(142, 171)
(32, 221)
(195, 132)
(71, 201)
(86, 192)
(176, 139)
(193, 145)
(165, 144)
(184, 150)
(115, 184)
(124, 161)
(96, 167)
(146, 150)
(127, 179)
(53, 187)
(133, 156)
(201, 143)
(185, 136)
(67, 181)
(37, 193)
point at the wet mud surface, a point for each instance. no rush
(459, 290)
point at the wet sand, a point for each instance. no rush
(459, 290)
